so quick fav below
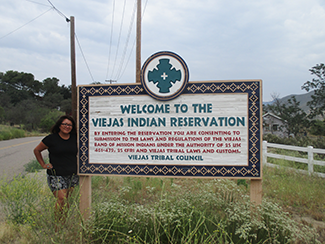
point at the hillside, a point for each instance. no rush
(302, 98)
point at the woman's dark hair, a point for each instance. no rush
(56, 127)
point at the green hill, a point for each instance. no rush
(302, 98)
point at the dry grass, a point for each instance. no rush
(130, 199)
(300, 194)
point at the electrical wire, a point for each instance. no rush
(37, 3)
(127, 62)
(119, 38)
(131, 52)
(127, 40)
(25, 24)
(59, 12)
(84, 57)
(76, 37)
(110, 43)
(67, 19)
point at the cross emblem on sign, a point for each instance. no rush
(159, 75)
(164, 76)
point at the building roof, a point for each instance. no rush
(272, 115)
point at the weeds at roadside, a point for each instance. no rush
(192, 211)
(34, 166)
(301, 193)
(8, 132)
(152, 210)
(30, 206)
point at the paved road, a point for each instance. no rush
(15, 153)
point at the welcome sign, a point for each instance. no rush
(167, 126)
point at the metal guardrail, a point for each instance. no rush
(309, 150)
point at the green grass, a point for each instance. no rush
(34, 166)
(295, 165)
(29, 209)
(166, 210)
(8, 132)
(298, 193)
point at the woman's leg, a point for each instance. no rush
(56, 183)
(61, 205)
(61, 198)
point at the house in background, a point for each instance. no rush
(273, 124)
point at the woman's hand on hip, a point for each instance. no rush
(47, 166)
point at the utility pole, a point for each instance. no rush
(73, 70)
(138, 48)
(85, 181)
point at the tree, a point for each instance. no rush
(55, 96)
(49, 119)
(292, 114)
(2, 114)
(18, 86)
(5, 100)
(52, 100)
(50, 86)
(27, 113)
(317, 128)
(317, 104)
(66, 92)
(25, 100)
(66, 106)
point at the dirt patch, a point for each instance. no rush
(309, 221)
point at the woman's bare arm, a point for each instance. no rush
(38, 154)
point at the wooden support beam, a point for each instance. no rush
(256, 191)
(85, 196)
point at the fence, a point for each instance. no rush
(309, 150)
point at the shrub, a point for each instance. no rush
(300, 141)
(19, 198)
(8, 132)
(215, 211)
(151, 210)
(49, 120)
(29, 206)
(34, 166)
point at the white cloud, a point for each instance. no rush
(276, 41)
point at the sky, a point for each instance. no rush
(277, 41)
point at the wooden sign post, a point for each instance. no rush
(256, 191)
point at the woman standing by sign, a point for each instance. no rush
(62, 170)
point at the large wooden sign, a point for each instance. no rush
(167, 126)
(213, 129)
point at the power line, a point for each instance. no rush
(119, 38)
(110, 43)
(59, 12)
(127, 40)
(121, 74)
(25, 24)
(66, 18)
(37, 3)
(84, 58)
(76, 37)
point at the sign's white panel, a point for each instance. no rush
(189, 130)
